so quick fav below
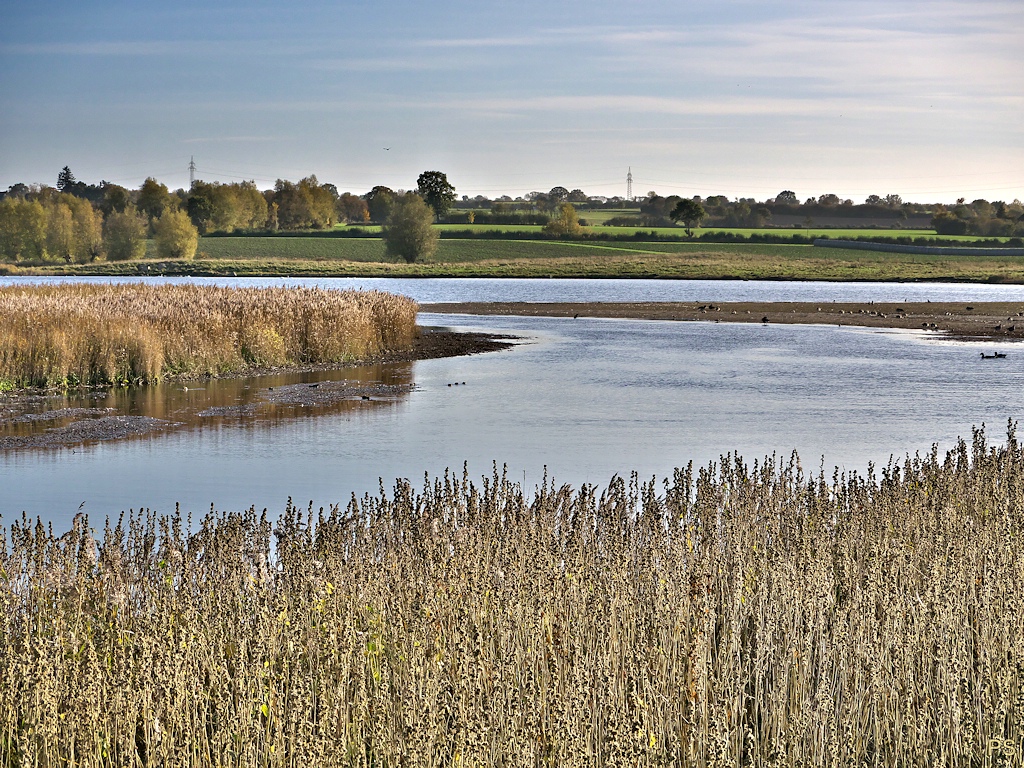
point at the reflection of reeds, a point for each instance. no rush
(114, 334)
(746, 616)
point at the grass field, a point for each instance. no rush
(735, 615)
(290, 248)
(364, 257)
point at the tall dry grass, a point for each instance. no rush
(741, 615)
(71, 334)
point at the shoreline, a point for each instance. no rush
(978, 321)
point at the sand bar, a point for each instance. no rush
(980, 321)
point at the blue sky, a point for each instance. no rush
(921, 99)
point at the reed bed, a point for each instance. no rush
(79, 334)
(736, 615)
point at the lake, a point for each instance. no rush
(583, 399)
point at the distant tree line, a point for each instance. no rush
(980, 217)
(77, 222)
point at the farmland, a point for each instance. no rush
(494, 257)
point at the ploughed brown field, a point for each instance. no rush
(983, 321)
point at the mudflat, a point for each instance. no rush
(22, 413)
(981, 321)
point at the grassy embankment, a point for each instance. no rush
(70, 335)
(365, 257)
(743, 616)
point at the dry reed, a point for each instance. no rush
(746, 615)
(65, 335)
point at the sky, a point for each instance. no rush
(924, 99)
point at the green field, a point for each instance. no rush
(365, 257)
(290, 248)
(835, 234)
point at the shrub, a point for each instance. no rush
(565, 223)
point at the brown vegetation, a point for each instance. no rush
(743, 616)
(126, 334)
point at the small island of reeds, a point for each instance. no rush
(107, 335)
(737, 615)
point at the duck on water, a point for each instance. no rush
(993, 356)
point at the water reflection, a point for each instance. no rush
(584, 399)
(263, 402)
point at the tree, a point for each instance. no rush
(829, 200)
(124, 235)
(22, 229)
(352, 209)
(690, 212)
(65, 179)
(787, 197)
(558, 194)
(657, 210)
(577, 196)
(435, 190)
(946, 223)
(565, 222)
(176, 237)
(200, 205)
(116, 199)
(409, 231)
(379, 201)
(73, 229)
(153, 199)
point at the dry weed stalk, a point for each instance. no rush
(747, 615)
(62, 335)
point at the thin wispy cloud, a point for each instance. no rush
(481, 42)
(230, 139)
(385, 65)
(789, 89)
(131, 48)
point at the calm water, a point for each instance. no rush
(474, 289)
(584, 398)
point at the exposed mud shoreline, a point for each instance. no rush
(21, 413)
(981, 321)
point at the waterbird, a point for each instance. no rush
(764, 319)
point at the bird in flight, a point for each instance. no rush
(387, 149)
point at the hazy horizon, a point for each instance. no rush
(735, 98)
